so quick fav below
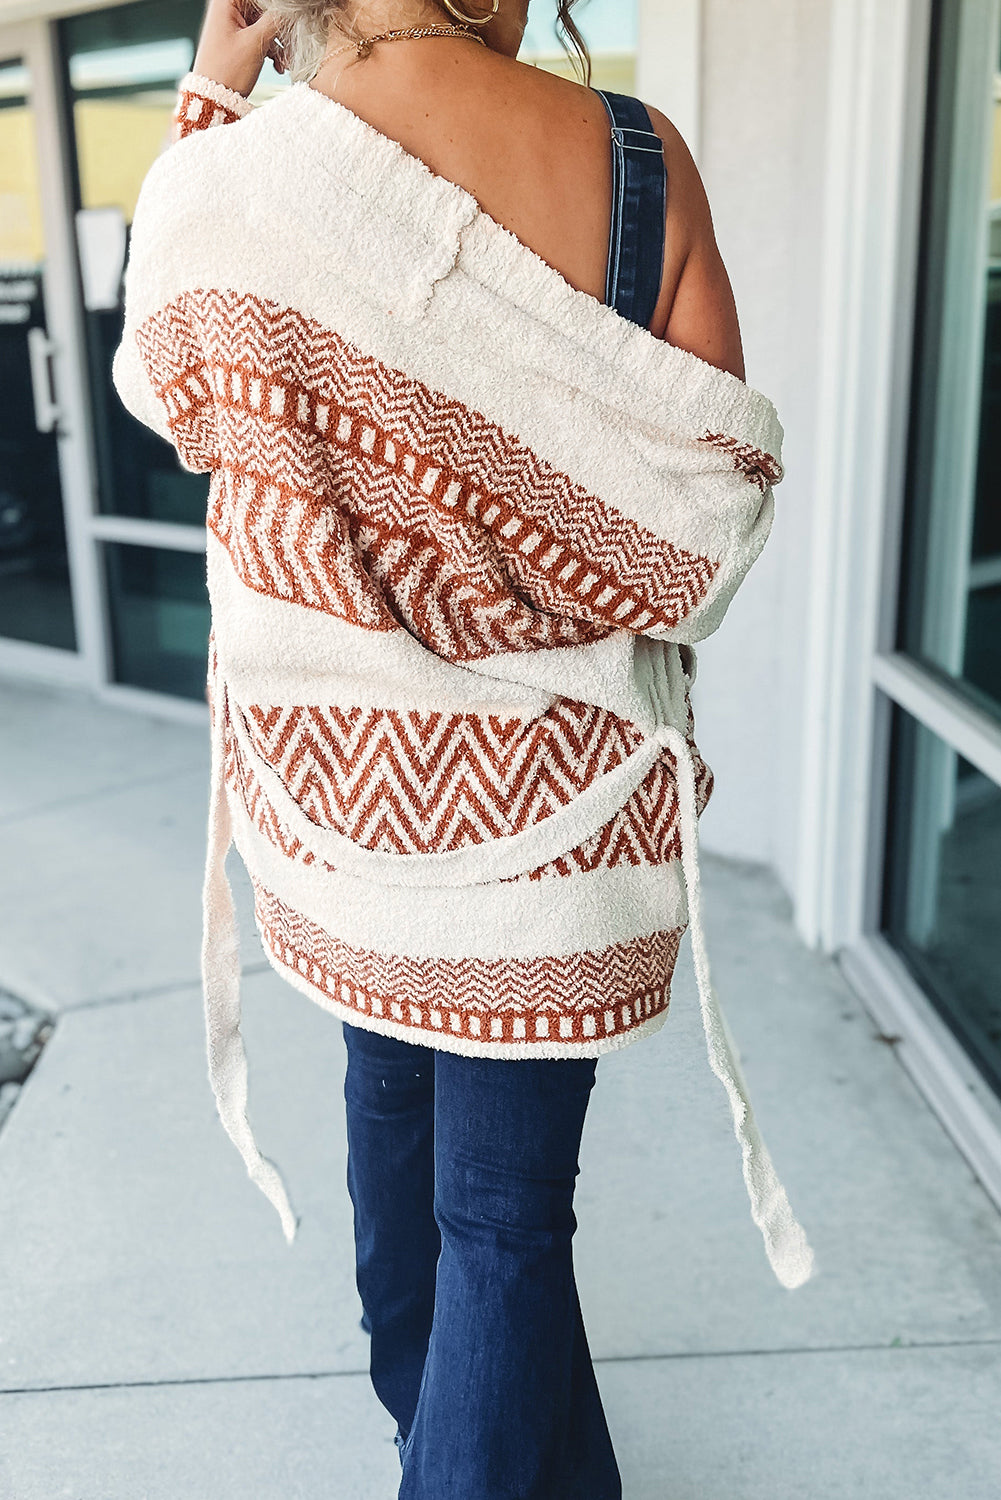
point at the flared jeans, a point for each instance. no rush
(461, 1171)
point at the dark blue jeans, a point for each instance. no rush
(461, 1171)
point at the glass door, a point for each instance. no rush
(121, 66)
(36, 598)
(942, 893)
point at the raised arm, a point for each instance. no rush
(202, 102)
(158, 368)
(228, 60)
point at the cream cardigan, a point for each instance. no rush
(465, 524)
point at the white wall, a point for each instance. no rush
(668, 65)
(762, 151)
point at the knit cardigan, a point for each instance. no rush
(465, 523)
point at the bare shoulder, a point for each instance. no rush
(688, 202)
(697, 310)
(563, 99)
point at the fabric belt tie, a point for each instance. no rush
(786, 1245)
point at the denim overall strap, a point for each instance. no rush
(639, 200)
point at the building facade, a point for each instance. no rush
(851, 704)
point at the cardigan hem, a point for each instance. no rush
(443, 1042)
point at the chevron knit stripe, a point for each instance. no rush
(587, 996)
(396, 503)
(371, 790)
(434, 781)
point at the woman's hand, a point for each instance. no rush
(236, 37)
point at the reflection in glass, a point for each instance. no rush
(951, 604)
(159, 618)
(35, 600)
(943, 888)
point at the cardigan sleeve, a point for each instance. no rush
(670, 575)
(160, 375)
(159, 368)
(202, 102)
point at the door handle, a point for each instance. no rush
(40, 347)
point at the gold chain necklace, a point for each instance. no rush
(364, 47)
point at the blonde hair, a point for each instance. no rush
(304, 25)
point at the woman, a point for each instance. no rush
(469, 385)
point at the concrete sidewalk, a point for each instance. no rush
(159, 1341)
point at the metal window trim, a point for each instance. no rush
(943, 708)
(876, 161)
(13, 11)
(957, 369)
(27, 661)
(134, 531)
(36, 41)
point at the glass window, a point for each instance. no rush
(608, 26)
(943, 891)
(35, 600)
(122, 68)
(159, 618)
(951, 599)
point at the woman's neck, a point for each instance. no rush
(356, 19)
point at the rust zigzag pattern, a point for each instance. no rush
(384, 802)
(614, 989)
(428, 782)
(398, 505)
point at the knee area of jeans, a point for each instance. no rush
(395, 1315)
(487, 1205)
(496, 1248)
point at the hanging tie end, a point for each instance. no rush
(790, 1256)
(290, 1225)
(267, 1177)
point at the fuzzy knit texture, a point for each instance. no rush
(465, 525)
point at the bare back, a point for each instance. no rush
(533, 149)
